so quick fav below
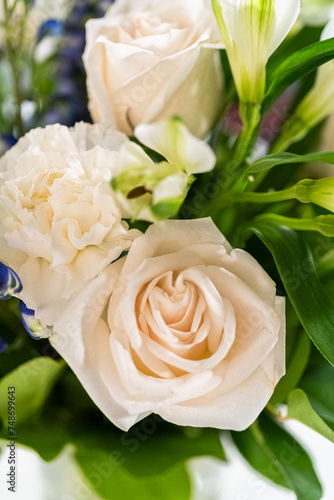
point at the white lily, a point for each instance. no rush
(252, 30)
(151, 191)
(317, 105)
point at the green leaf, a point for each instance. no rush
(275, 454)
(31, 383)
(296, 66)
(318, 383)
(253, 447)
(272, 160)
(45, 438)
(167, 208)
(106, 475)
(295, 262)
(178, 444)
(295, 368)
(299, 408)
(293, 459)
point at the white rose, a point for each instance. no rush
(194, 331)
(59, 223)
(148, 60)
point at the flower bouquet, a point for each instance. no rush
(166, 238)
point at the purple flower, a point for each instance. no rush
(10, 283)
(3, 345)
(32, 324)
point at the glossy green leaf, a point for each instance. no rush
(318, 383)
(109, 479)
(299, 408)
(140, 446)
(275, 454)
(253, 447)
(293, 459)
(31, 383)
(295, 262)
(272, 160)
(295, 368)
(296, 66)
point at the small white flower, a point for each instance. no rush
(152, 191)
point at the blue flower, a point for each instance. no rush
(3, 345)
(33, 325)
(50, 27)
(10, 283)
(6, 142)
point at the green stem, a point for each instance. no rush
(294, 130)
(251, 115)
(270, 197)
(11, 56)
(216, 205)
(297, 224)
(272, 408)
(288, 137)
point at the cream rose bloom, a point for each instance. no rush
(59, 223)
(148, 60)
(184, 326)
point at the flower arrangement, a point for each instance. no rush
(166, 237)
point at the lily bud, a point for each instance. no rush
(319, 192)
(319, 102)
(325, 225)
(317, 105)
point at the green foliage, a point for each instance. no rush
(318, 383)
(299, 408)
(270, 161)
(297, 360)
(146, 462)
(150, 461)
(111, 481)
(32, 382)
(275, 454)
(295, 262)
(252, 446)
(295, 66)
